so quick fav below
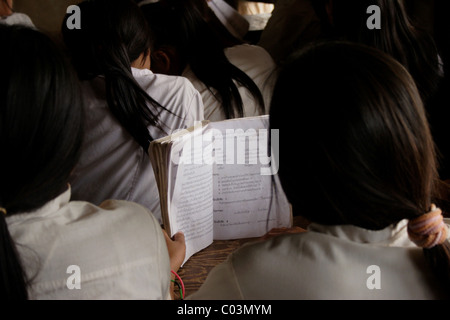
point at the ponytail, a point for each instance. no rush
(217, 73)
(126, 98)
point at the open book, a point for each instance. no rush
(218, 181)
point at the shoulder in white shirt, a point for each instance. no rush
(326, 262)
(176, 94)
(117, 249)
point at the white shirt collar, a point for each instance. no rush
(140, 72)
(17, 18)
(394, 235)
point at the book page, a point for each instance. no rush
(248, 202)
(190, 193)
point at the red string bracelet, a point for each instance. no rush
(181, 281)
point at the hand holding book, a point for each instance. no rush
(216, 181)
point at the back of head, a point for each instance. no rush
(110, 30)
(183, 25)
(113, 35)
(40, 120)
(366, 156)
(40, 135)
(169, 30)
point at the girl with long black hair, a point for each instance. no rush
(234, 79)
(364, 175)
(127, 105)
(52, 247)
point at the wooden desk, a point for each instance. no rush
(196, 269)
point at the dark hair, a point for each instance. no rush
(412, 47)
(182, 24)
(366, 156)
(113, 34)
(439, 112)
(40, 135)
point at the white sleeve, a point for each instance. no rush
(195, 109)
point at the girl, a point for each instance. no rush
(234, 79)
(127, 106)
(52, 247)
(366, 178)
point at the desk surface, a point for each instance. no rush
(196, 269)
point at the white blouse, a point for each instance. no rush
(258, 65)
(326, 262)
(75, 250)
(113, 165)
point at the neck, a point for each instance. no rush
(143, 62)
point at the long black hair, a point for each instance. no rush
(183, 25)
(40, 135)
(365, 155)
(113, 34)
